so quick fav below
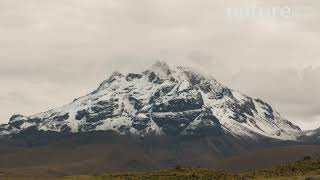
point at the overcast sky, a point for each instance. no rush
(54, 51)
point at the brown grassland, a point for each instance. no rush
(306, 169)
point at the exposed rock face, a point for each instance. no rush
(161, 101)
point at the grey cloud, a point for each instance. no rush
(74, 44)
(295, 93)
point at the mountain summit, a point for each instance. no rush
(161, 100)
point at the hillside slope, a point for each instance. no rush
(161, 101)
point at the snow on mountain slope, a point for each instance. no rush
(311, 136)
(161, 100)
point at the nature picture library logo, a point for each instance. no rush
(279, 11)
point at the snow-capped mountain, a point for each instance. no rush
(161, 101)
(311, 136)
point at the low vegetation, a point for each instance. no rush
(306, 169)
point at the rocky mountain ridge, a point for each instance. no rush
(161, 100)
